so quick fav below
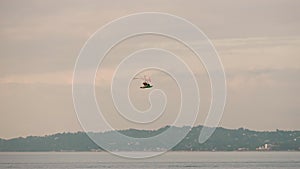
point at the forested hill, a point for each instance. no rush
(222, 140)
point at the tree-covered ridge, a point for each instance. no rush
(222, 140)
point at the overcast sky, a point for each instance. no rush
(257, 40)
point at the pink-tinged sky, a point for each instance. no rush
(257, 40)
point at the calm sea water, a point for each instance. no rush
(203, 160)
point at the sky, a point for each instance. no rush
(257, 41)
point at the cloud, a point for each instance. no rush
(53, 78)
(258, 43)
(263, 78)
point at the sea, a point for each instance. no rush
(177, 160)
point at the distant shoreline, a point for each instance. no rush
(223, 140)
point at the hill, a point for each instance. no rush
(222, 140)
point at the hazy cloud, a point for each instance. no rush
(257, 40)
